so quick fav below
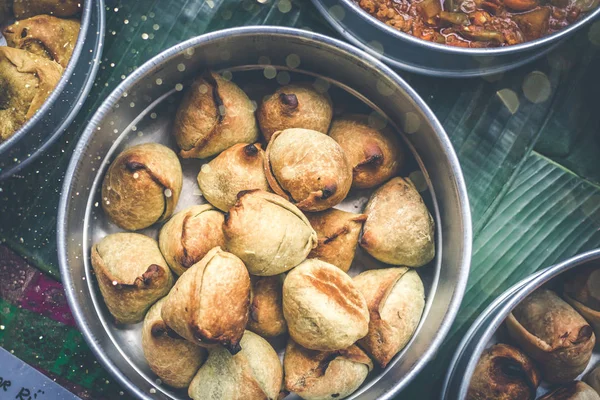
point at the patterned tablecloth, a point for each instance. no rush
(528, 142)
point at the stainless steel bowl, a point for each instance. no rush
(482, 332)
(406, 52)
(61, 107)
(142, 108)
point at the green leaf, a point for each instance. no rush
(548, 215)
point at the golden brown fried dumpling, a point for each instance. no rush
(308, 168)
(26, 81)
(46, 36)
(323, 308)
(374, 154)
(253, 373)
(337, 232)
(189, 235)
(504, 373)
(58, 8)
(239, 168)
(266, 309)
(209, 303)
(320, 375)
(131, 273)
(552, 333)
(142, 186)
(268, 233)
(582, 292)
(172, 358)
(214, 115)
(399, 229)
(576, 390)
(396, 299)
(295, 106)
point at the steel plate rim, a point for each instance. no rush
(85, 23)
(518, 293)
(476, 325)
(496, 51)
(460, 188)
(82, 94)
(416, 69)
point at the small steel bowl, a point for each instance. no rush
(142, 108)
(481, 334)
(409, 53)
(63, 104)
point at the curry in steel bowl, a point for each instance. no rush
(478, 23)
(40, 38)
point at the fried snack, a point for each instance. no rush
(396, 299)
(172, 358)
(239, 168)
(26, 81)
(592, 378)
(374, 154)
(504, 373)
(582, 292)
(46, 36)
(576, 390)
(337, 233)
(323, 308)
(131, 274)
(308, 168)
(189, 235)
(268, 233)
(295, 106)
(399, 229)
(58, 8)
(320, 375)
(253, 373)
(266, 308)
(553, 334)
(209, 302)
(142, 186)
(214, 115)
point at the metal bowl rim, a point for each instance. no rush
(90, 130)
(494, 51)
(476, 325)
(516, 294)
(80, 100)
(66, 75)
(429, 71)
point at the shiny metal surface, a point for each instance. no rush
(66, 100)
(481, 334)
(406, 52)
(141, 109)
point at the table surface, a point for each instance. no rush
(528, 142)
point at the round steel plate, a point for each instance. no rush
(141, 109)
(61, 107)
(482, 333)
(409, 53)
